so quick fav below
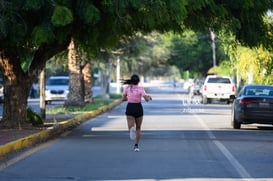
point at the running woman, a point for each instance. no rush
(134, 110)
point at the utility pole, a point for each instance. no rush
(212, 36)
(118, 75)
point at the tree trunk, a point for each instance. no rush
(17, 82)
(15, 103)
(87, 76)
(17, 85)
(105, 91)
(75, 95)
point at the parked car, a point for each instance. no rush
(56, 89)
(1, 90)
(197, 85)
(218, 88)
(187, 85)
(254, 104)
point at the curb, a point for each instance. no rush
(49, 133)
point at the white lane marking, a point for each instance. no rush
(235, 163)
(239, 168)
(123, 116)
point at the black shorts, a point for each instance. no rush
(134, 109)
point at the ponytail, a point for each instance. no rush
(127, 81)
(134, 80)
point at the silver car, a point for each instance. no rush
(57, 88)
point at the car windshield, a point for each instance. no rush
(57, 82)
(259, 91)
(219, 80)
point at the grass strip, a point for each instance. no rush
(97, 103)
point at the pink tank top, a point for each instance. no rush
(134, 93)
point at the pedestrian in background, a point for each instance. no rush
(134, 110)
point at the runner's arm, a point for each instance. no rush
(147, 98)
(124, 97)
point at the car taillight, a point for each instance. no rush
(233, 88)
(246, 101)
(205, 87)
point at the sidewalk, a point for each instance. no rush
(16, 140)
(9, 135)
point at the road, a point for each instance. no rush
(182, 140)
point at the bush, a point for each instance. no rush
(34, 118)
(115, 96)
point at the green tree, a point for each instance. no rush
(193, 52)
(31, 32)
(141, 52)
(255, 65)
(224, 68)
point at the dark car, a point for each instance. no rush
(254, 104)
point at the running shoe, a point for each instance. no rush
(136, 149)
(132, 133)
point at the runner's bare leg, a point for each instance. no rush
(131, 122)
(138, 129)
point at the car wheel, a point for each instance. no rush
(235, 123)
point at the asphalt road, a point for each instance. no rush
(182, 140)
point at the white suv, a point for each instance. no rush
(217, 87)
(56, 88)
